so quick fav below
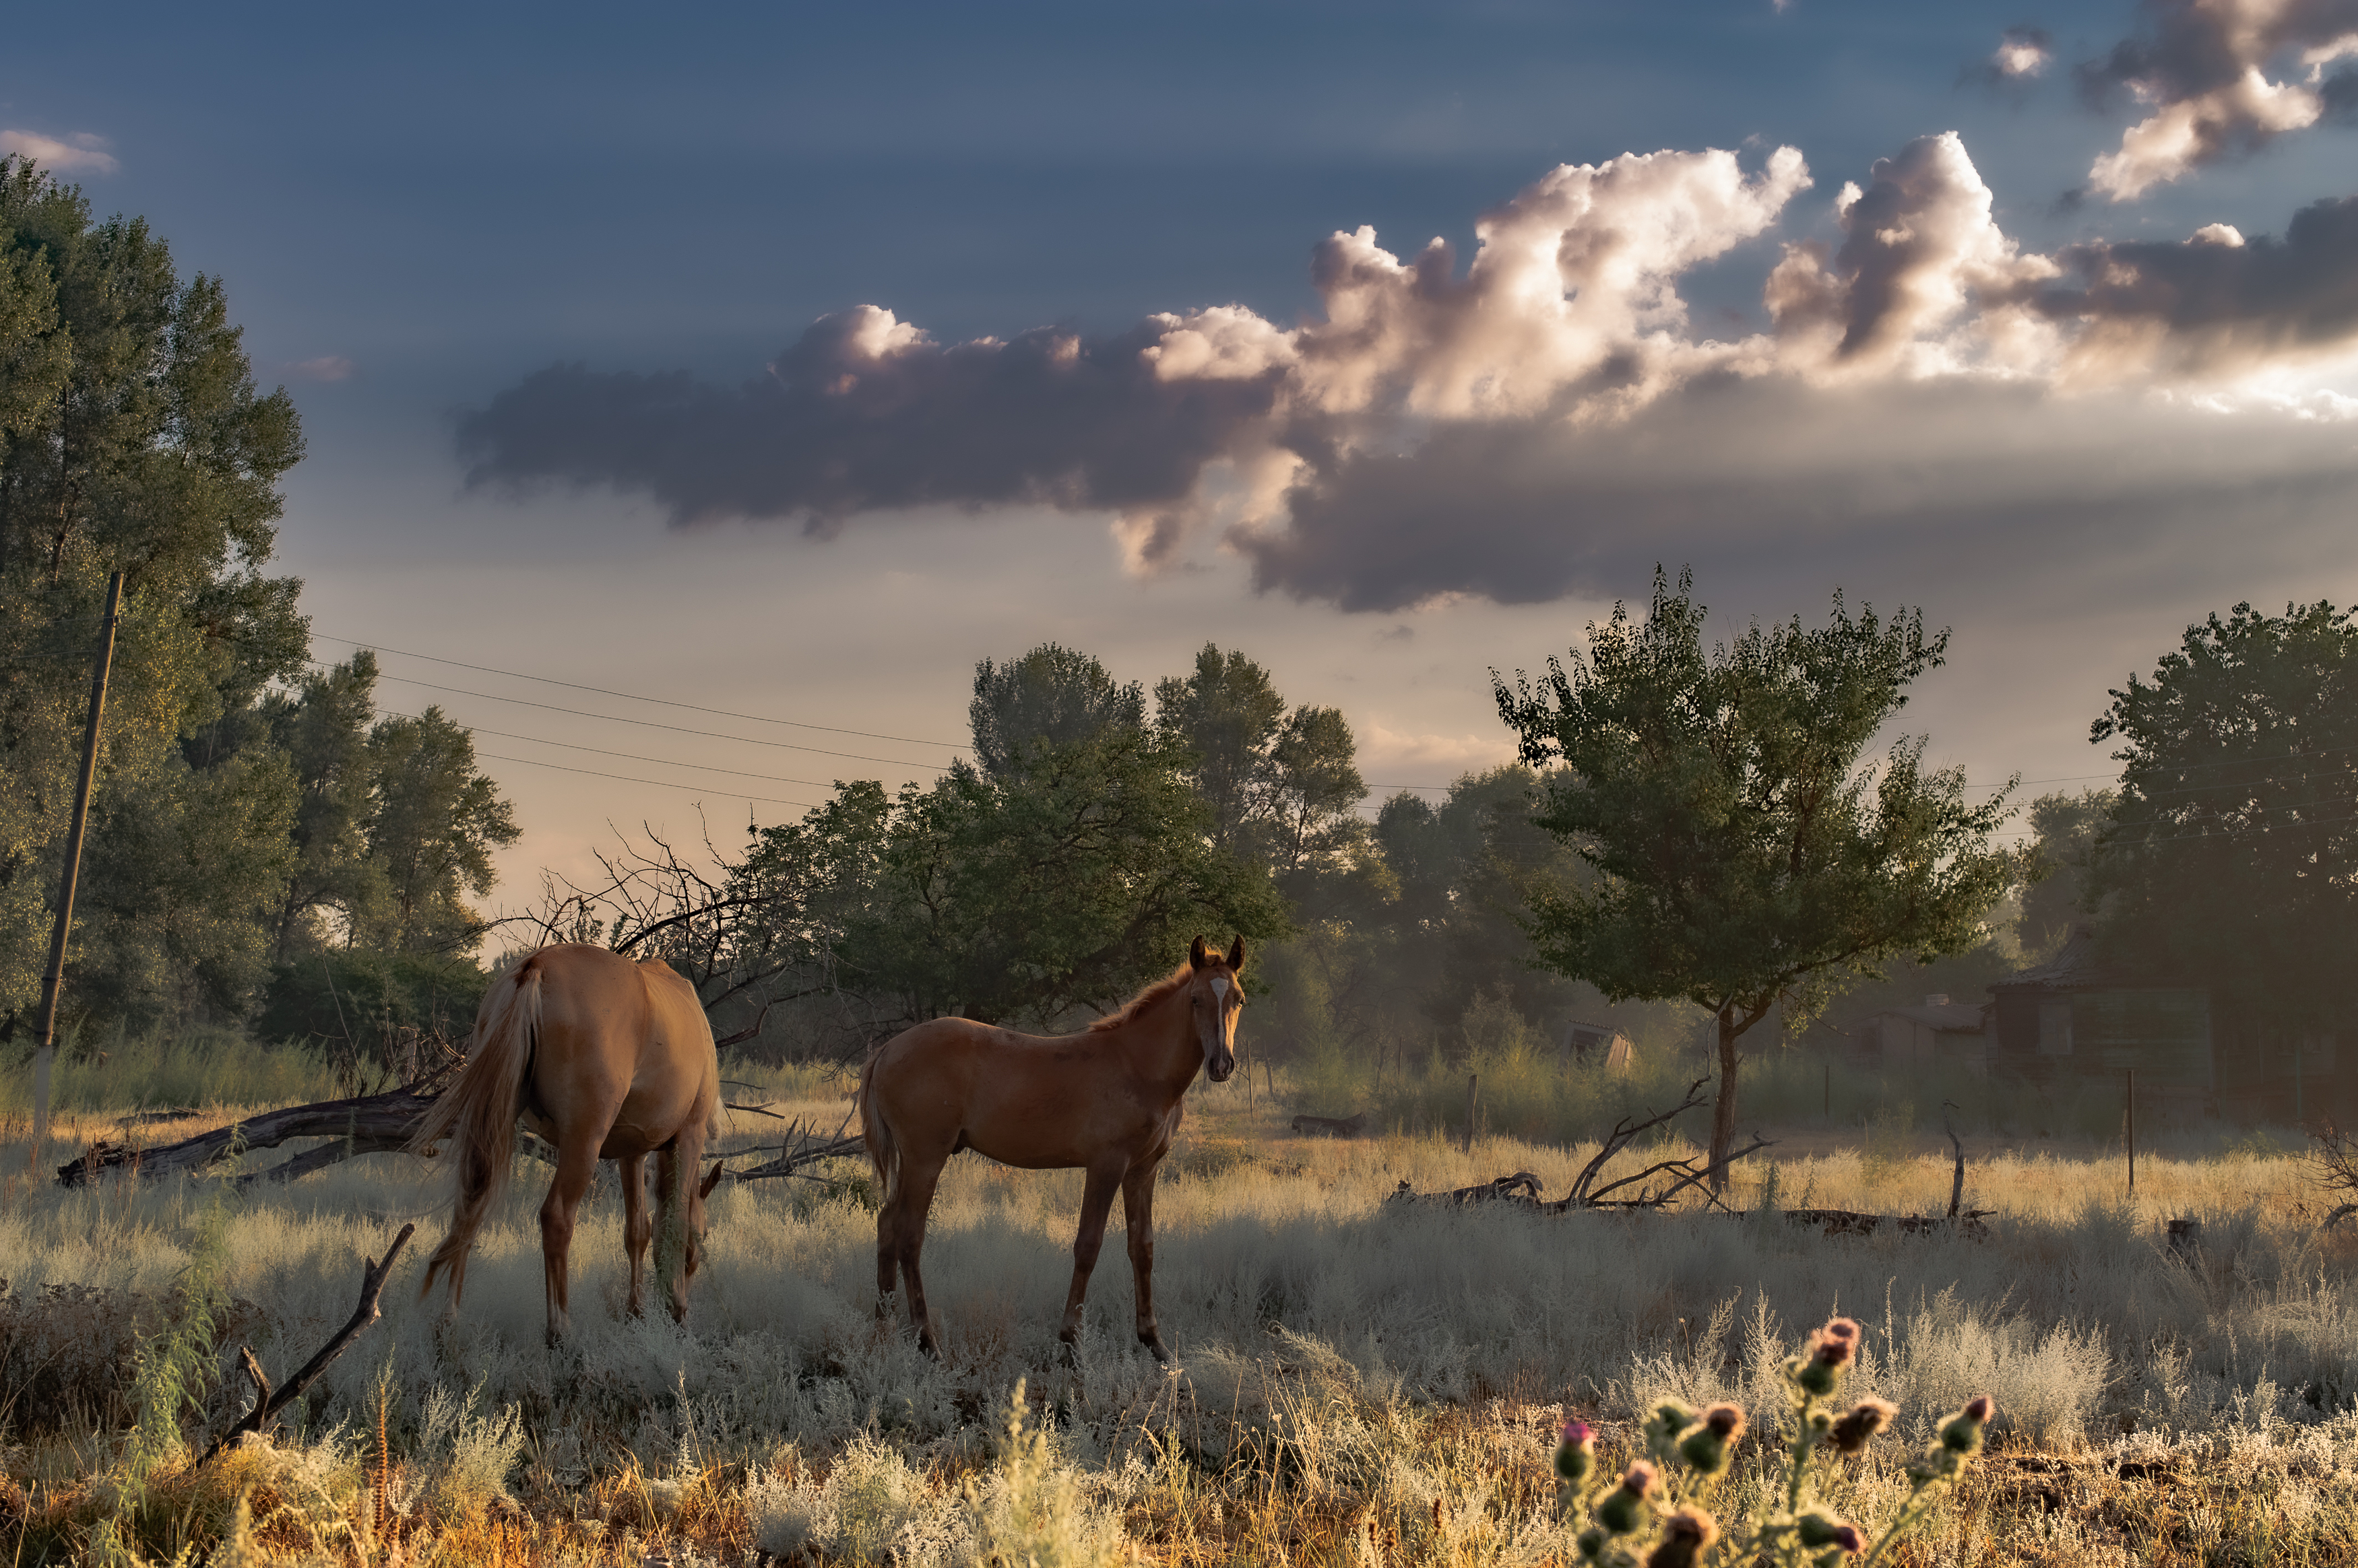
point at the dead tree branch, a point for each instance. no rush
(268, 1404)
(370, 1124)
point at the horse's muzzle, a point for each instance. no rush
(1220, 1068)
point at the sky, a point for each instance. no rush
(756, 372)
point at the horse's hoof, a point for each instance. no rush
(1154, 1342)
(926, 1343)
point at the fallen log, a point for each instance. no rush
(1332, 1126)
(1848, 1222)
(1522, 1187)
(803, 1146)
(268, 1402)
(369, 1124)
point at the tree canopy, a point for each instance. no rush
(2228, 857)
(1744, 852)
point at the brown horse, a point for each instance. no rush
(607, 1059)
(1106, 1100)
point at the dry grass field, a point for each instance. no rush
(1358, 1381)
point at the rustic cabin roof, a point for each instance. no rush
(1953, 1017)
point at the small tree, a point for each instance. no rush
(1743, 855)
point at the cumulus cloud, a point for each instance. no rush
(2022, 55)
(2202, 68)
(81, 152)
(1527, 426)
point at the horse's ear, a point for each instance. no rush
(712, 1181)
(1197, 956)
(1237, 955)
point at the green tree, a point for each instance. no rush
(132, 436)
(1224, 715)
(2065, 828)
(1021, 899)
(323, 727)
(1744, 854)
(1052, 696)
(2229, 857)
(433, 824)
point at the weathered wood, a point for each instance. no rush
(1849, 1222)
(268, 1404)
(1332, 1126)
(1522, 1187)
(367, 1124)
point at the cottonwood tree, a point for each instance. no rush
(1222, 715)
(132, 438)
(2230, 855)
(1746, 851)
(1052, 696)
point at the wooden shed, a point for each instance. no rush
(1598, 1045)
(1939, 1034)
(2073, 1017)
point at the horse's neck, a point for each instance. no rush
(1162, 1044)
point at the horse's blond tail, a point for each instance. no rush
(884, 1154)
(478, 1114)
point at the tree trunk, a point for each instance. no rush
(1723, 1110)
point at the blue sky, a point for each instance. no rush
(417, 210)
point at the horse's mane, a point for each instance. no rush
(1155, 992)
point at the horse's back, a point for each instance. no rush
(1023, 1100)
(628, 1035)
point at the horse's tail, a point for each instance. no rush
(884, 1154)
(477, 1115)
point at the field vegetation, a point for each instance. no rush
(1360, 1380)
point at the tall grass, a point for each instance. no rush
(173, 1069)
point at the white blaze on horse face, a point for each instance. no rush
(1220, 987)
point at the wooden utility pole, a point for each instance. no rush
(1473, 1084)
(2131, 1123)
(53, 977)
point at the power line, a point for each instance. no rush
(659, 783)
(634, 696)
(627, 756)
(647, 723)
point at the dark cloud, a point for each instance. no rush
(1978, 488)
(862, 414)
(2226, 302)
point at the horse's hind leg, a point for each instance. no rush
(1138, 1211)
(577, 1162)
(1097, 1202)
(676, 1167)
(914, 1198)
(638, 1229)
(888, 1255)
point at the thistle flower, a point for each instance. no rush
(1865, 1419)
(1575, 1455)
(1818, 1528)
(1621, 1509)
(1670, 1418)
(1961, 1434)
(1837, 1343)
(1706, 1445)
(1686, 1536)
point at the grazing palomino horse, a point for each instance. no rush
(1106, 1100)
(607, 1059)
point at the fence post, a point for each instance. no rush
(53, 979)
(2132, 1127)
(1473, 1083)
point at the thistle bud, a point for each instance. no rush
(1961, 1434)
(1576, 1455)
(1669, 1419)
(1866, 1417)
(1818, 1528)
(1621, 1509)
(1686, 1536)
(1592, 1544)
(1706, 1445)
(1826, 1356)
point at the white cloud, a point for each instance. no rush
(81, 152)
(2202, 68)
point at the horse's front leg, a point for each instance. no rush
(638, 1229)
(1097, 1203)
(1138, 1211)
